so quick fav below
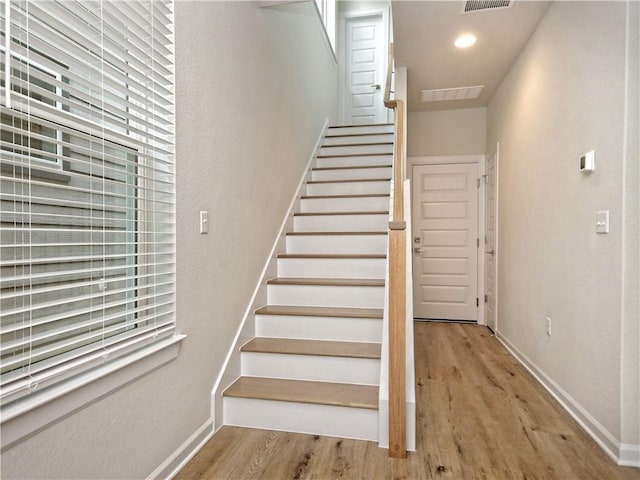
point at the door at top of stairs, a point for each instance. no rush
(365, 64)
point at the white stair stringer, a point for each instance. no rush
(314, 363)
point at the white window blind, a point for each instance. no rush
(87, 186)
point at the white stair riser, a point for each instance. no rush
(333, 162)
(344, 204)
(326, 296)
(345, 422)
(356, 149)
(351, 139)
(332, 267)
(344, 329)
(360, 129)
(351, 173)
(311, 368)
(345, 244)
(349, 188)
(341, 223)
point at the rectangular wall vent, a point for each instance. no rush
(482, 5)
(460, 93)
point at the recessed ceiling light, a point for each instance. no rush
(465, 41)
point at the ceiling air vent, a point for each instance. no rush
(443, 94)
(482, 5)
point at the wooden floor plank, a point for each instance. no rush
(480, 415)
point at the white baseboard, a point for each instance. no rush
(230, 370)
(185, 452)
(628, 455)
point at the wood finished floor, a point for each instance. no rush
(480, 415)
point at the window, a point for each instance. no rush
(327, 10)
(87, 187)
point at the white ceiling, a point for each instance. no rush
(424, 32)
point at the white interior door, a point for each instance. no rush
(445, 241)
(490, 257)
(365, 65)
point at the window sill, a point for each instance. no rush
(32, 414)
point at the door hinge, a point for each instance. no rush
(486, 299)
(477, 302)
(478, 243)
(478, 183)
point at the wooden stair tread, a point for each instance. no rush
(352, 154)
(336, 282)
(364, 195)
(362, 126)
(372, 212)
(324, 393)
(350, 168)
(356, 134)
(354, 256)
(335, 233)
(368, 144)
(350, 180)
(301, 311)
(322, 348)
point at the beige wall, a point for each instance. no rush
(447, 132)
(254, 88)
(564, 96)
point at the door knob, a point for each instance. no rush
(491, 252)
(376, 86)
(417, 250)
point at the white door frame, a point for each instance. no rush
(496, 230)
(479, 159)
(341, 44)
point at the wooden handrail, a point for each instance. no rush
(387, 85)
(397, 284)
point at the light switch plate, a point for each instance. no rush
(588, 162)
(602, 221)
(204, 221)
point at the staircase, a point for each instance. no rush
(314, 365)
